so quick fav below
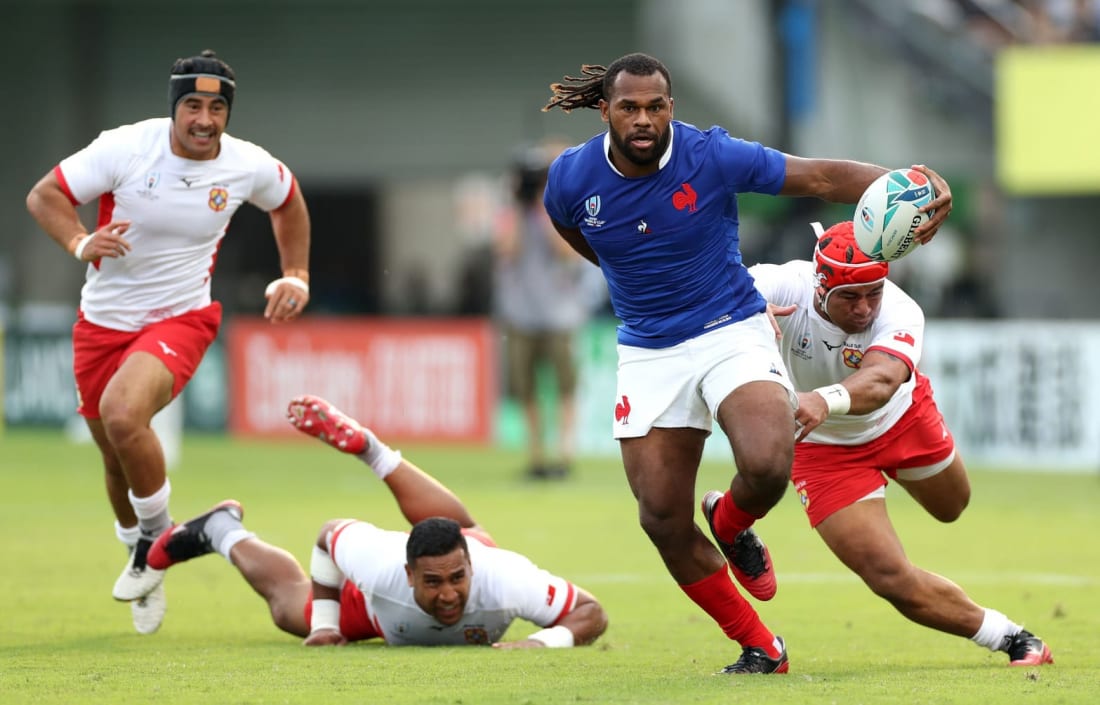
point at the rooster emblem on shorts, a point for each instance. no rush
(622, 411)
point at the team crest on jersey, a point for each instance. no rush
(476, 635)
(852, 357)
(219, 199)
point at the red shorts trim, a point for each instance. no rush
(831, 477)
(178, 342)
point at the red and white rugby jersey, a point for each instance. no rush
(818, 353)
(505, 585)
(179, 209)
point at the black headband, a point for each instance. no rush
(183, 85)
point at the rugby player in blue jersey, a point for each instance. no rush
(652, 201)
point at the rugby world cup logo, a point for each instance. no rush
(592, 205)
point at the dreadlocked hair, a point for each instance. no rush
(585, 91)
(592, 86)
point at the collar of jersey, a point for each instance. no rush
(660, 165)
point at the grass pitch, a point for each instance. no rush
(1028, 545)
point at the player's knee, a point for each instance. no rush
(948, 512)
(891, 581)
(120, 423)
(767, 478)
(289, 617)
(663, 528)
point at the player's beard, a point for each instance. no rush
(640, 158)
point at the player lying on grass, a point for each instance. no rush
(851, 340)
(443, 583)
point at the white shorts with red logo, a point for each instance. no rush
(682, 386)
(831, 477)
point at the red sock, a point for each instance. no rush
(729, 519)
(719, 598)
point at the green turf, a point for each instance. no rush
(1029, 545)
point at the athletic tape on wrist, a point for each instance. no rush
(293, 281)
(558, 637)
(323, 570)
(325, 615)
(837, 397)
(78, 251)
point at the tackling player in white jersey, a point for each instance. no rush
(167, 188)
(851, 340)
(443, 583)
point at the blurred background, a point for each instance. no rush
(402, 121)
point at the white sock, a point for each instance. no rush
(152, 511)
(231, 539)
(127, 535)
(994, 630)
(379, 457)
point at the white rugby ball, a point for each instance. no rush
(887, 214)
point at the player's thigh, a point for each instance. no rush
(140, 388)
(863, 538)
(758, 420)
(944, 494)
(661, 468)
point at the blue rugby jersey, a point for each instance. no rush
(668, 242)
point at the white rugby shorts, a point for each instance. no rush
(682, 386)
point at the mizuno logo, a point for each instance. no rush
(832, 347)
(167, 350)
(187, 182)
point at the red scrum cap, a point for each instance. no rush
(840, 263)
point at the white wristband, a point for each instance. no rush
(837, 397)
(323, 570)
(293, 281)
(558, 637)
(78, 251)
(326, 615)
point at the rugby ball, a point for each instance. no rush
(887, 214)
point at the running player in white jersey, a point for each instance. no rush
(653, 202)
(443, 583)
(852, 340)
(167, 188)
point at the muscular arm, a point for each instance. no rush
(576, 240)
(50, 206)
(290, 222)
(879, 376)
(835, 180)
(587, 620)
(844, 181)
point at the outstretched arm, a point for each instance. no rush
(584, 624)
(844, 181)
